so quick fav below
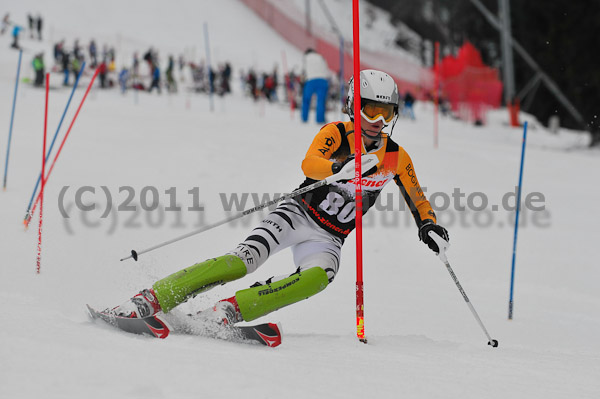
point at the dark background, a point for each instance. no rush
(562, 36)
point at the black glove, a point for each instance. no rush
(424, 234)
(337, 166)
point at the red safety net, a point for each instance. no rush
(409, 75)
(469, 85)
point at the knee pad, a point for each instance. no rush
(258, 301)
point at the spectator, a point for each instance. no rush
(38, 67)
(123, 78)
(315, 82)
(76, 50)
(93, 49)
(31, 23)
(252, 84)
(155, 77)
(15, 34)
(59, 51)
(39, 27)
(75, 66)
(102, 70)
(5, 23)
(407, 109)
(65, 66)
(171, 84)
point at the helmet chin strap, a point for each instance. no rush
(374, 138)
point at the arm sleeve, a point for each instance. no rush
(317, 164)
(407, 181)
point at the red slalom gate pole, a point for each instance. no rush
(360, 308)
(39, 248)
(45, 178)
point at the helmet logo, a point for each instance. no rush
(365, 84)
(382, 97)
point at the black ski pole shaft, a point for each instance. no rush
(135, 254)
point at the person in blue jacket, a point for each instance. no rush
(15, 34)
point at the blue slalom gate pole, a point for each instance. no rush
(12, 118)
(514, 254)
(209, 70)
(54, 138)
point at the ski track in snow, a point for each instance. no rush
(423, 341)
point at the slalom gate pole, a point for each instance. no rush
(135, 254)
(39, 248)
(436, 88)
(514, 253)
(45, 178)
(443, 245)
(53, 141)
(210, 87)
(12, 118)
(360, 323)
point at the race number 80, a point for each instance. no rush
(334, 204)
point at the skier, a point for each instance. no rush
(314, 224)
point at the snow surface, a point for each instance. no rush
(423, 341)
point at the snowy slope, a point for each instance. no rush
(423, 341)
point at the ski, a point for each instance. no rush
(268, 334)
(152, 325)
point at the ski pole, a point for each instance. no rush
(344, 174)
(443, 245)
(135, 254)
(53, 141)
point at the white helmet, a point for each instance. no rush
(375, 86)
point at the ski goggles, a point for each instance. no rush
(373, 111)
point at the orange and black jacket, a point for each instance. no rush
(333, 206)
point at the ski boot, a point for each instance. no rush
(224, 313)
(144, 304)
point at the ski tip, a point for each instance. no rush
(158, 326)
(277, 327)
(90, 311)
(274, 338)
